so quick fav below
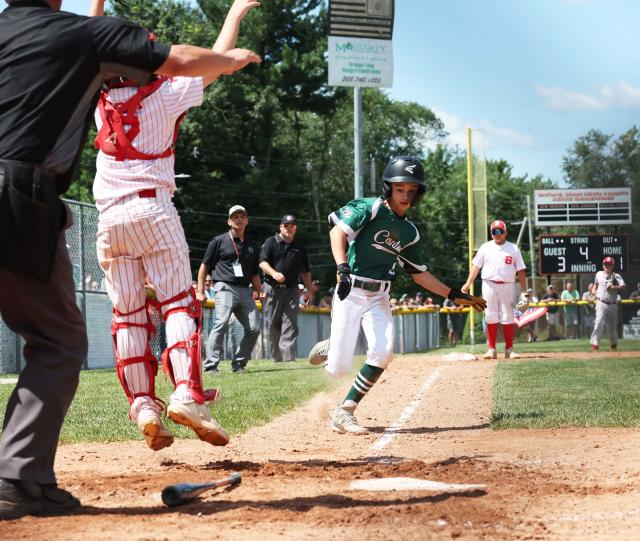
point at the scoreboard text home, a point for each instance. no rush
(578, 254)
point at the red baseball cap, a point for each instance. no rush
(608, 261)
(498, 224)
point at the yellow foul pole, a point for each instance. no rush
(470, 216)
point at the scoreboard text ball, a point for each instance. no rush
(577, 254)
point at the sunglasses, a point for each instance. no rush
(498, 231)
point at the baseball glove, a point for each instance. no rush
(462, 299)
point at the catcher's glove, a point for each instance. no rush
(344, 281)
(457, 296)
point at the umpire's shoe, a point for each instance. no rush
(21, 498)
(344, 421)
(319, 352)
(198, 417)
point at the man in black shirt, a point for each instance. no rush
(52, 64)
(232, 260)
(284, 261)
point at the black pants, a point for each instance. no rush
(45, 314)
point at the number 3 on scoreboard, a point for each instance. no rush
(561, 263)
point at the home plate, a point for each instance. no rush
(459, 357)
(7, 381)
(409, 483)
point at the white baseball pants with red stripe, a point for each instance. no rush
(140, 240)
(500, 301)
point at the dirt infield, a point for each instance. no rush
(551, 484)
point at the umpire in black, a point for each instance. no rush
(52, 65)
(284, 261)
(232, 260)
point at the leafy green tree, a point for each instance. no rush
(599, 160)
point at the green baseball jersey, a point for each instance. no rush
(378, 239)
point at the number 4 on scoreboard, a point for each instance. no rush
(584, 250)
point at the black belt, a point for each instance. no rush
(280, 286)
(370, 286)
(234, 284)
(605, 302)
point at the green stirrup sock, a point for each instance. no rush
(365, 379)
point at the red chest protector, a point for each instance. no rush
(120, 125)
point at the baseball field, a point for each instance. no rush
(542, 447)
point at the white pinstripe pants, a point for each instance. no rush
(141, 240)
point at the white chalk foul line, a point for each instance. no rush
(391, 432)
(8, 381)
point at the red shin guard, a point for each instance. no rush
(193, 347)
(148, 359)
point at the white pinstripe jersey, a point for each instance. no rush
(157, 118)
(499, 262)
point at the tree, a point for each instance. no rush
(599, 160)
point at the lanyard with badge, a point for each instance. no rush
(237, 267)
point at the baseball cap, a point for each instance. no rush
(498, 224)
(288, 219)
(236, 208)
(608, 261)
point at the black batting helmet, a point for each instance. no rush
(403, 169)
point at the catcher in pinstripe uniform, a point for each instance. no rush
(140, 238)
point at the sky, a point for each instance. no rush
(532, 75)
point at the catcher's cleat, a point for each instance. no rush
(510, 354)
(344, 421)
(319, 352)
(491, 354)
(155, 433)
(198, 418)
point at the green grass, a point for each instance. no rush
(568, 346)
(99, 410)
(557, 393)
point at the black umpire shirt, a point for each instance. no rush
(221, 256)
(288, 258)
(52, 64)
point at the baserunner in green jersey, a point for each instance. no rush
(369, 238)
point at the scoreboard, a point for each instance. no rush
(577, 254)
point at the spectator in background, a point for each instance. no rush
(588, 311)
(326, 301)
(635, 295)
(419, 299)
(284, 262)
(314, 299)
(208, 290)
(430, 304)
(530, 327)
(232, 258)
(453, 321)
(570, 295)
(393, 302)
(553, 312)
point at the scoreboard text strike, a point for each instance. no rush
(575, 254)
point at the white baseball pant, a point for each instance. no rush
(500, 299)
(140, 240)
(372, 310)
(606, 316)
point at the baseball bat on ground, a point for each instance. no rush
(185, 492)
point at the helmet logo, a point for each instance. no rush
(410, 168)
